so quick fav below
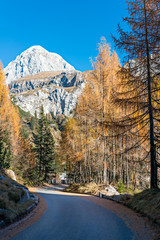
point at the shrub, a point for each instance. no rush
(14, 195)
(120, 187)
(3, 203)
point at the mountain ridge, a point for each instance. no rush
(34, 60)
(57, 94)
(37, 77)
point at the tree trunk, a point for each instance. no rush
(150, 109)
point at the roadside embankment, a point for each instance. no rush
(15, 200)
(26, 220)
(88, 188)
(146, 203)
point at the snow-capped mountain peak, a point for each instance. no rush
(34, 60)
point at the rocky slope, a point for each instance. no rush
(38, 77)
(57, 93)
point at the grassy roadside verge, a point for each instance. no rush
(147, 203)
(14, 203)
(89, 188)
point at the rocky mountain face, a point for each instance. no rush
(34, 60)
(38, 77)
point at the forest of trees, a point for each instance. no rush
(15, 149)
(31, 157)
(114, 133)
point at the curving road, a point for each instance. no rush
(69, 217)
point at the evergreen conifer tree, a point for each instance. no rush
(44, 146)
(5, 149)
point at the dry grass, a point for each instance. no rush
(88, 188)
(10, 195)
(41, 75)
(147, 203)
(30, 92)
(45, 76)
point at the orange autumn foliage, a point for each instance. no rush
(23, 157)
(9, 116)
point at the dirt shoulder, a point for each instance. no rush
(13, 229)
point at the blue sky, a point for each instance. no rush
(70, 28)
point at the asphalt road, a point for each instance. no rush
(69, 217)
